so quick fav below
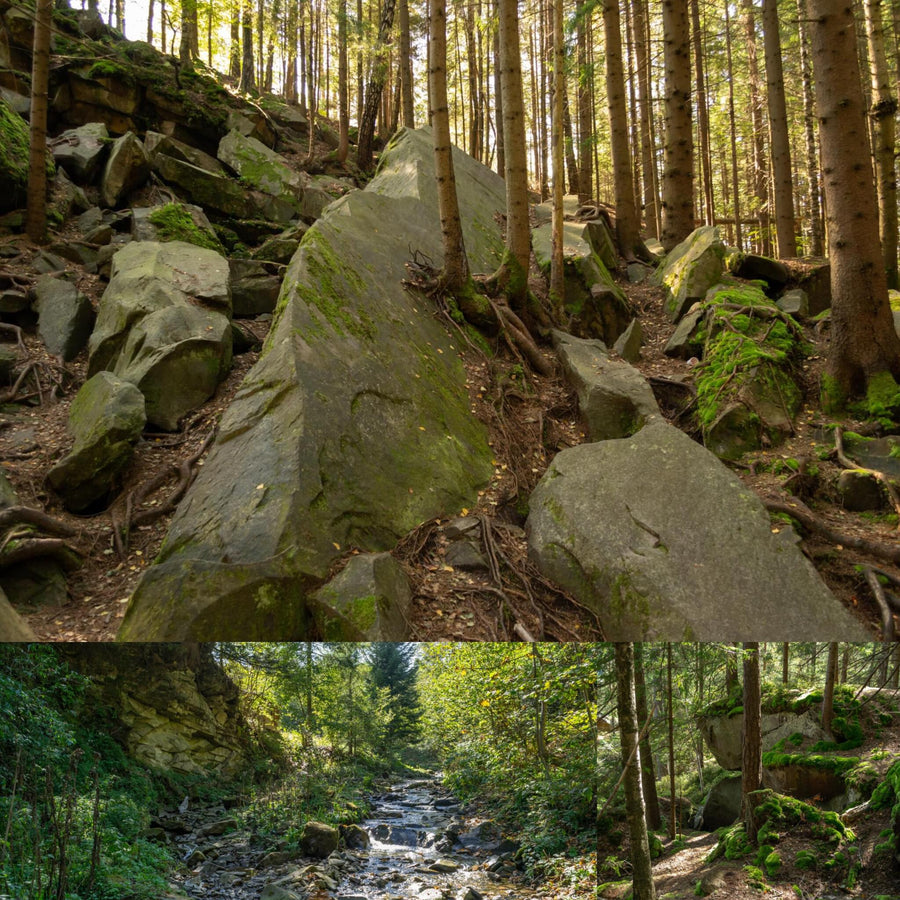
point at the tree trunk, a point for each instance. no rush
(343, 86)
(882, 113)
(760, 181)
(751, 765)
(732, 125)
(702, 116)
(455, 273)
(248, 72)
(512, 276)
(648, 155)
(828, 693)
(785, 660)
(36, 221)
(670, 721)
(234, 47)
(678, 178)
(376, 85)
(627, 225)
(290, 81)
(816, 235)
(569, 144)
(150, 7)
(557, 264)
(778, 127)
(585, 86)
(187, 48)
(648, 778)
(643, 888)
(864, 343)
(406, 85)
(731, 678)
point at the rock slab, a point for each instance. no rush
(664, 543)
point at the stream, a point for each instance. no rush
(417, 844)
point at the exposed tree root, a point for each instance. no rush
(184, 473)
(23, 549)
(799, 511)
(26, 515)
(880, 477)
(887, 614)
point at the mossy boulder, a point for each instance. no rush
(368, 600)
(261, 168)
(595, 304)
(175, 222)
(691, 269)
(106, 418)
(127, 168)
(14, 142)
(614, 399)
(747, 393)
(352, 429)
(682, 550)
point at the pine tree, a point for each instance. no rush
(394, 668)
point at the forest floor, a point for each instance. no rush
(529, 418)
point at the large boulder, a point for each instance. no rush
(723, 734)
(127, 168)
(615, 400)
(14, 143)
(106, 418)
(65, 316)
(80, 151)
(691, 269)
(594, 303)
(368, 600)
(722, 805)
(261, 168)
(148, 276)
(681, 550)
(353, 428)
(156, 143)
(319, 840)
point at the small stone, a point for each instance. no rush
(459, 528)
(445, 865)
(218, 827)
(465, 555)
(859, 491)
(628, 344)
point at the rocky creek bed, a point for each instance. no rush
(419, 843)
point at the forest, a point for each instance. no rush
(449, 770)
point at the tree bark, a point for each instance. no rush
(234, 47)
(343, 86)
(670, 721)
(585, 85)
(702, 116)
(643, 888)
(760, 181)
(406, 85)
(732, 126)
(36, 219)
(376, 85)
(864, 343)
(648, 155)
(455, 273)
(828, 693)
(627, 225)
(248, 72)
(512, 276)
(778, 128)
(648, 777)
(816, 230)
(678, 178)
(785, 659)
(557, 263)
(883, 112)
(751, 765)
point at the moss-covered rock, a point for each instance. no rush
(13, 158)
(261, 168)
(106, 418)
(353, 428)
(179, 222)
(691, 269)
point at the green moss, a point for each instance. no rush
(14, 147)
(174, 223)
(805, 859)
(772, 863)
(832, 395)
(106, 68)
(883, 396)
(837, 764)
(756, 878)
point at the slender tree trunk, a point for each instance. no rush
(557, 271)
(816, 231)
(864, 343)
(828, 693)
(785, 659)
(248, 71)
(670, 720)
(150, 7)
(512, 276)
(585, 86)
(290, 81)
(778, 127)
(648, 156)
(569, 144)
(760, 179)
(678, 179)
(702, 116)
(234, 47)
(343, 85)
(498, 94)
(751, 765)
(648, 779)
(845, 662)
(882, 113)
(455, 273)
(732, 125)
(376, 86)
(627, 224)
(545, 89)
(36, 220)
(731, 677)
(406, 69)
(643, 888)
(186, 49)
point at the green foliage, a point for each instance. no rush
(805, 859)
(174, 223)
(756, 878)
(883, 397)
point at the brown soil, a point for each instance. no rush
(529, 418)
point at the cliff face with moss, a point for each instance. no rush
(171, 705)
